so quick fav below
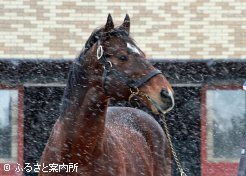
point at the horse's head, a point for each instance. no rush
(124, 71)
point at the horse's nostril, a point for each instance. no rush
(164, 93)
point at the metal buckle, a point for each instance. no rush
(136, 92)
(133, 93)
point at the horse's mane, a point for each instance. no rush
(77, 77)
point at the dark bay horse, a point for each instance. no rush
(110, 141)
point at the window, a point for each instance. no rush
(11, 128)
(223, 123)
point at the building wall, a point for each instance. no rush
(190, 29)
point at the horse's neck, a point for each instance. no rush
(84, 113)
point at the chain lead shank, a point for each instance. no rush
(181, 170)
(166, 130)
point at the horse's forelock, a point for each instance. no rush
(100, 34)
(119, 32)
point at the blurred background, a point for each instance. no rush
(199, 45)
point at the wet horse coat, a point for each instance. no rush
(110, 141)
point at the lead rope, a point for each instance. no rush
(181, 170)
(166, 130)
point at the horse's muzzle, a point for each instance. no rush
(167, 98)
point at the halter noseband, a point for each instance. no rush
(109, 68)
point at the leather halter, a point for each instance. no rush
(109, 68)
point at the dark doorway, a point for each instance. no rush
(184, 125)
(41, 109)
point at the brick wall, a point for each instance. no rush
(195, 29)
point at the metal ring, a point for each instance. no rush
(129, 98)
(99, 52)
(110, 64)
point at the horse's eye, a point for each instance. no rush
(123, 58)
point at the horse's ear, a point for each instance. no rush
(126, 24)
(109, 25)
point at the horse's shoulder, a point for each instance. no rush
(133, 117)
(127, 112)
